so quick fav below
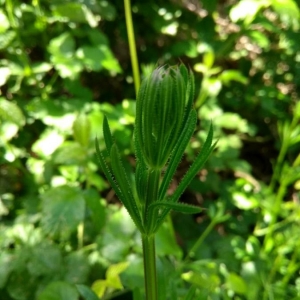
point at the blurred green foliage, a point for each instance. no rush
(64, 64)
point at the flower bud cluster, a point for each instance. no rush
(163, 104)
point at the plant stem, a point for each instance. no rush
(149, 266)
(132, 46)
(200, 240)
(80, 233)
(153, 179)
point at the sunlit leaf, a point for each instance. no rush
(236, 283)
(10, 111)
(246, 10)
(288, 12)
(70, 153)
(4, 75)
(75, 12)
(112, 275)
(82, 130)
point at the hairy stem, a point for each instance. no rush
(153, 181)
(149, 266)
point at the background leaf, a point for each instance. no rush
(63, 209)
(10, 112)
(58, 290)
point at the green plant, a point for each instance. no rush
(64, 65)
(165, 122)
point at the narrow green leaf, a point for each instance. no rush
(163, 127)
(107, 135)
(180, 207)
(140, 179)
(125, 187)
(178, 152)
(196, 166)
(107, 172)
(190, 94)
(194, 169)
(138, 135)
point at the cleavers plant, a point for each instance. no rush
(165, 122)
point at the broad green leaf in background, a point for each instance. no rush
(70, 153)
(59, 290)
(75, 12)
(116, 240)
(63, 45)
(62, 50)
(112, 274)
(132, 277)
(166, 243)
(6, 38)
(91, 56)
(4, 22)
(4, 75)
(98, 57)
(288, 12)
(77, 267)
(96, 208)
(10, 111)
(63, 209)
(206, 279)
(261, 39)
(107, 10)
(246, 10)
(236, 283)
(49, 141)
(86, 293)
(110, 63)
(112, 279)
(99, 287)
(5, 267)
(45, 260)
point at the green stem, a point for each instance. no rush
(149, 266)
(277, 206)
(287, 132)
(153, 180)
(200, 240)
(279, 163)
(132, 46)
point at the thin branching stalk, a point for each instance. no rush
(200, 240)
(132, 46)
